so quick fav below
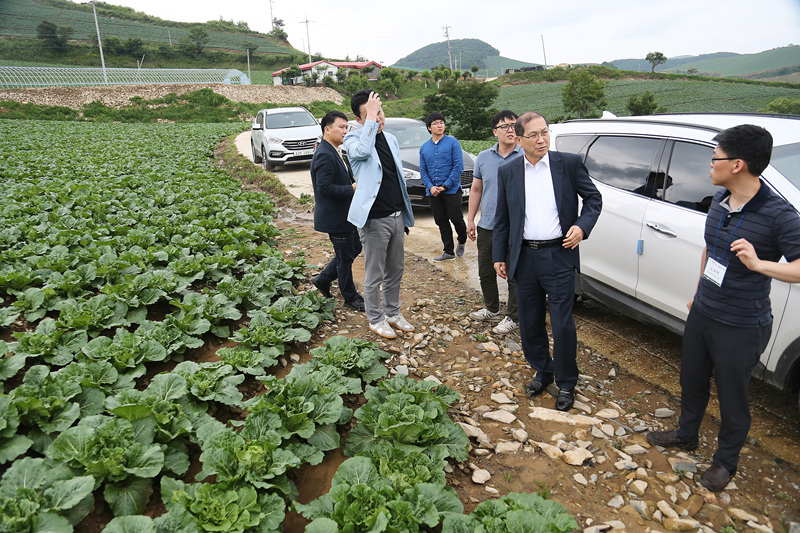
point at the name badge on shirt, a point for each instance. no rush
(715, 270)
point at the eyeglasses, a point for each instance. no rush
(715, 159)
(536, 134)
(437, 123)
(505, 127)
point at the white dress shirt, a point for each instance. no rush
(541, 213)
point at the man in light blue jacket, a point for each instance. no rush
(381, 211)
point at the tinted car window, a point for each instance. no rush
(572, 143)
(622, 162)
(688, 183)
(291, 119)
(786, 159)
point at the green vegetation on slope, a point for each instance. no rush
(466, 52)
(19, 18)
(745, 64)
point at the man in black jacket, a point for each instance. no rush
(333, 191)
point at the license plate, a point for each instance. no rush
(304, 152)
(465, 192)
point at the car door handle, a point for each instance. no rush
(655, 227)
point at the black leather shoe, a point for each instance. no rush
(538, 385)
(356, 305)
(665, 439)
(716, 478)
(565, 400)
(323, 288)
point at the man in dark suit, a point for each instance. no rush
(538, 228)
(333, 191)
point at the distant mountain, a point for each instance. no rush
(465, 53)
(642, 65)
(768, 62)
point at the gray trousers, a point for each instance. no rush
(383, 241)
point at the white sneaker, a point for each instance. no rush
(505, 326)
(400, 323)
(484, 315)
(383, 329)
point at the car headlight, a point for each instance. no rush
(274, 140)
(409, 174)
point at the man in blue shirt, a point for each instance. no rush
(748, 229)
(483, 194)
(441, 163)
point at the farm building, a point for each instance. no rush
(328, 68)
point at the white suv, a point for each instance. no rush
(643, 257)
(284, 135)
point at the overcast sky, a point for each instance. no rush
(574, 31)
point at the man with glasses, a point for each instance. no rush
(537, 230)
(748, 229)
(483, 194)
(441, 163)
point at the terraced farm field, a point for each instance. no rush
(677, 96)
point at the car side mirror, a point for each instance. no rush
(257, 126)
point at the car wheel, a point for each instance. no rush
(256, 156)
(264, 161)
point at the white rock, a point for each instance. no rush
(551, 415)
(741, 514)
(472, 431)
(612, 373)
(597, 433)
(620, 432)
(489, 347)
(635, 449)
(607, 413)
(580, 478)
(507, 447)
(616, 524)
(679, 464)
(491, 490)
(625, 465)
(638, 487)
(608, 429)
(434, 379)
(663, 412)
(666, 509)
(759, 527)
(500, 416)
(481, 476)
(583, 407)
(616, 502)
(402, 370)
(499, 397)
(552, 452)
(520, 435)
(577, 457)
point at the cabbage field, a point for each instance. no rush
(123, 251)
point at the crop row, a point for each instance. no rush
(677, 96)
(19, 18)
(122, 250)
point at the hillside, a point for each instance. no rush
(724, 64)
(19, 18)
(746, 64)
(465, 53)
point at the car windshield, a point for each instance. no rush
(290, 119)
(786, 159)
(409, 135)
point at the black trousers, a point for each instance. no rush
(446, 208)
(546, 277)
(729, 353)
(346, 247)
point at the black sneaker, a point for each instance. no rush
(323, 288)
(356, 305)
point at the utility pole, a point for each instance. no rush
(99, 43)
(308, 39)
(271, 16)
(446, 29)
(544, 53)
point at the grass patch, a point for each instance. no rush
(252, 176)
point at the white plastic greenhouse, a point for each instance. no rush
(21, 77)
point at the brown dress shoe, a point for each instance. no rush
(666, 439)
(716, 478)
